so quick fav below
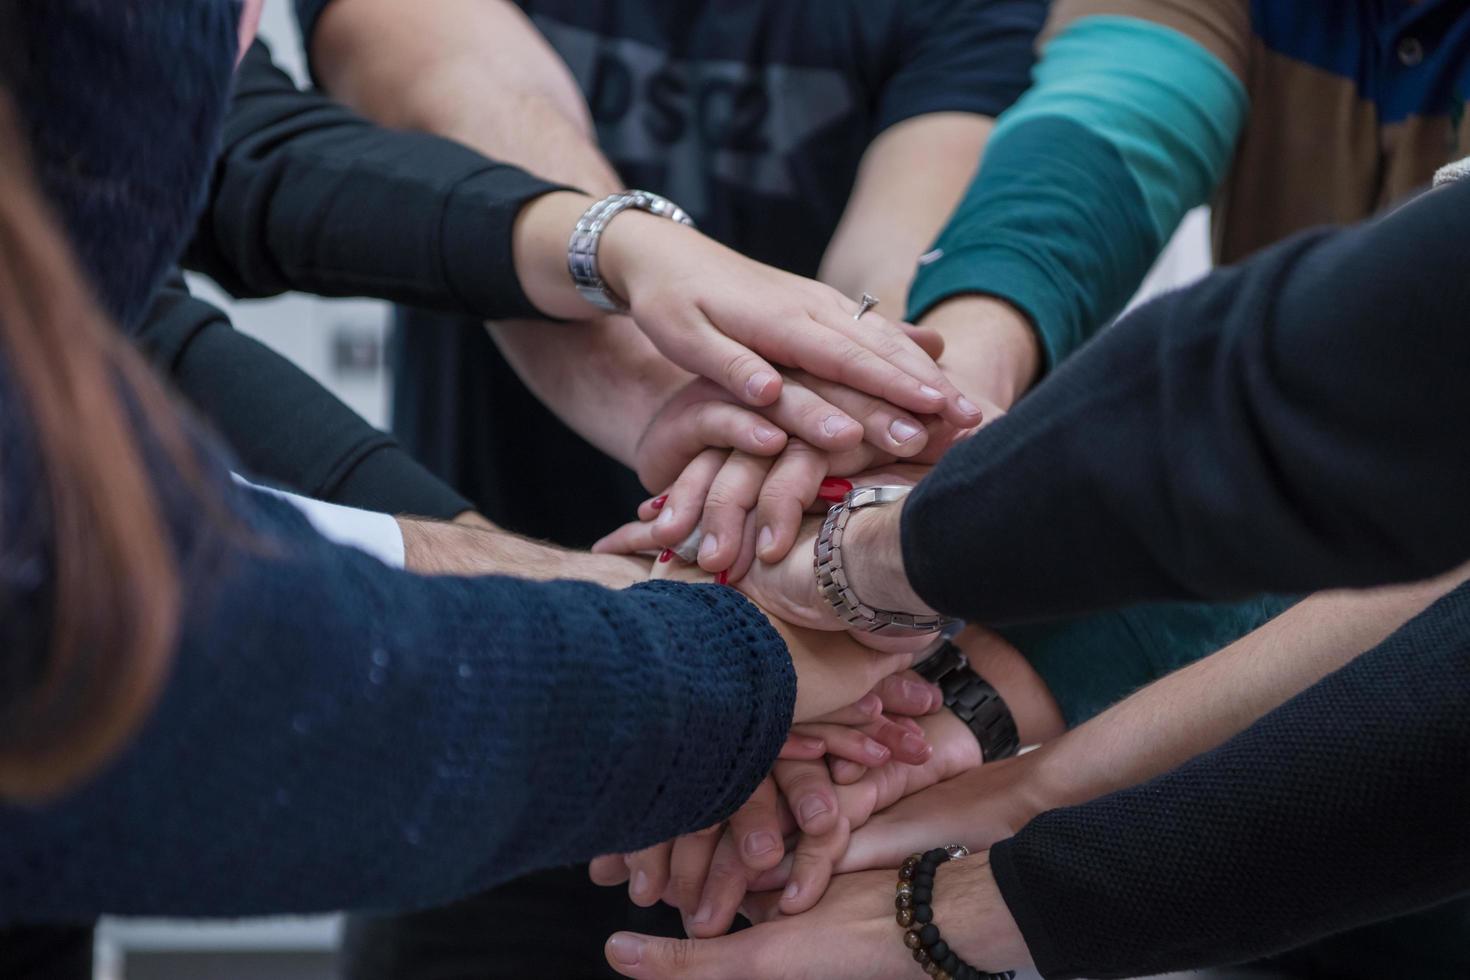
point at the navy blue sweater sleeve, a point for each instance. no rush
(1294, 423)
(391, 740)
(258, 400)
(1352, 795)
(309, 196)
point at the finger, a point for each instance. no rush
(930, 341)
(745, 558)
(885, 428)
(703, 349)
(911, 379)
(675, 439)
(908, 694)
(648, 874)
(631, 539)
(608, 870)
(790, 488)
(906, 747)
(807, 786)
(731, 497)
(844, 742)
(812, 418)
(811, 867)
(680, 513)
(649, 509)
(756, 827)
(802, 746)
(689, 865)
(724, 889)
(652, 958)
(845, 772)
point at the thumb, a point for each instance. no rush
(652, 958)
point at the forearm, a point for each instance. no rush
(1351, 794)
(911, 179)
(411, 65)
(1201, 706)
(434, 548)
(603, 378)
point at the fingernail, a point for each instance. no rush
(968, 407)
(766, 433)
(876, 752)
(705, 913)
(811, 808)
(665, 556)
(708, 547)
(918, 693)
(658, 502)
(758, 383)
(835, 425)
(809, 743)
(929, 392)
(759, 843)
(869, 704)
(834, 490)
(913, 744)
(640, 883)
(765, 539)
(903, 430)
(625, 949)
(723, 578)
(792, 890)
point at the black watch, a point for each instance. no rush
(977, 704)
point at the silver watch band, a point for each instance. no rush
(587, 238)
(832, 577)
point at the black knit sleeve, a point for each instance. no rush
(312, 197)
(1290, 424)
(1347, 805)
(281, 423)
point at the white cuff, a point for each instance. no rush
(377, 534)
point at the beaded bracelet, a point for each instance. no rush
(916, 918)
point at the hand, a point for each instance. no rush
(826, 416)
(992, 351)
(850, 935)
(727, 318)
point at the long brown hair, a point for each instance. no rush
(84, 396)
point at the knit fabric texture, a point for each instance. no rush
(337, 734)
(1347, 805)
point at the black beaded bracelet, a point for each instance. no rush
(916, 917)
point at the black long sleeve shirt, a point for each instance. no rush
(1294, 423)
(308, 196)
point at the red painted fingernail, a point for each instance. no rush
(723, 578)
(658, 502)
(665, 556)
(833, 490)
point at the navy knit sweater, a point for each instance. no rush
(336, 734)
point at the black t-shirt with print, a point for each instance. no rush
(753, 116)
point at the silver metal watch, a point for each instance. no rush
(587, 238)
(832, 578)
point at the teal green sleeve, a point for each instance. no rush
(1093, 662)
(1127, 126)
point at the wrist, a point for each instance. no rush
(991, 348)
(540, 236)
(1037, 716)
(873, 557)
(976, 923)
